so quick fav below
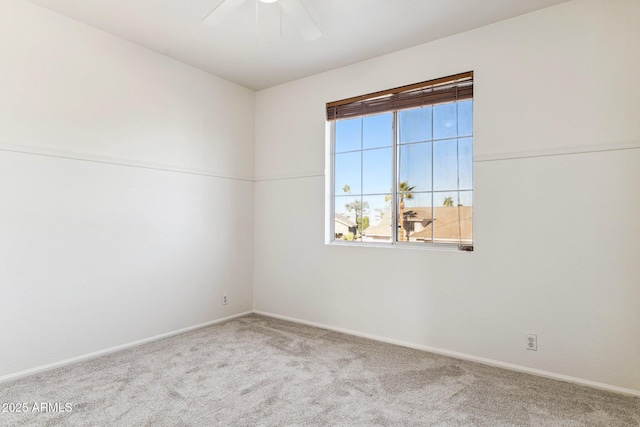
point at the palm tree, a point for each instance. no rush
(448, 202)
(405, 193)
(346, 188)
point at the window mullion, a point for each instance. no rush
(332, 190)
(361, 179)
(395, 180)
(433, 163)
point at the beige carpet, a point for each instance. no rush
(260, 371)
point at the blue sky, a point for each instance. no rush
(364, 157)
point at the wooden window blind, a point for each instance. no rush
(446, 89)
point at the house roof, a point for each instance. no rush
(453, 223)
(383, 229)
(345, 221)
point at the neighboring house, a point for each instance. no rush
(415, 220)
(380, 232)
(450, 224)
(344, 226)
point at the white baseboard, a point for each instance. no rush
(95, 354)
(463, 356)
(455, 354)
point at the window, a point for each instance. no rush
(402, 165)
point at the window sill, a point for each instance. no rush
(446, 247)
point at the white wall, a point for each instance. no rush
(127, 201)
(126, 192)
(557, 236)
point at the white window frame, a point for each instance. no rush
(330, 152)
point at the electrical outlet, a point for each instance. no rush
(225, 299)
(532, 342)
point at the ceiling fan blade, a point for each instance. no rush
(301, 19)
(220, 13)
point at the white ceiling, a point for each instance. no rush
(250, 49)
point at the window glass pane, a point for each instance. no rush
(453, 214)
(416, 214)
(444, 121)
(447, 199)
(378, 131)
(465, 198)
(465, 118)
(348, 135)
(415, 124)
(415, 165)
(445, 165)
(447, 221)
(377, 171)
(347, 211)
(465, 163)
(347, 173)
(376, 222)
(466, 216)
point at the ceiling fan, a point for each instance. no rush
(294, 8)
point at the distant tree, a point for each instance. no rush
(358, 206)
(363, 224)
(448, 202)
(348, 236)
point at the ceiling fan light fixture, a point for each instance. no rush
(303, 22)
